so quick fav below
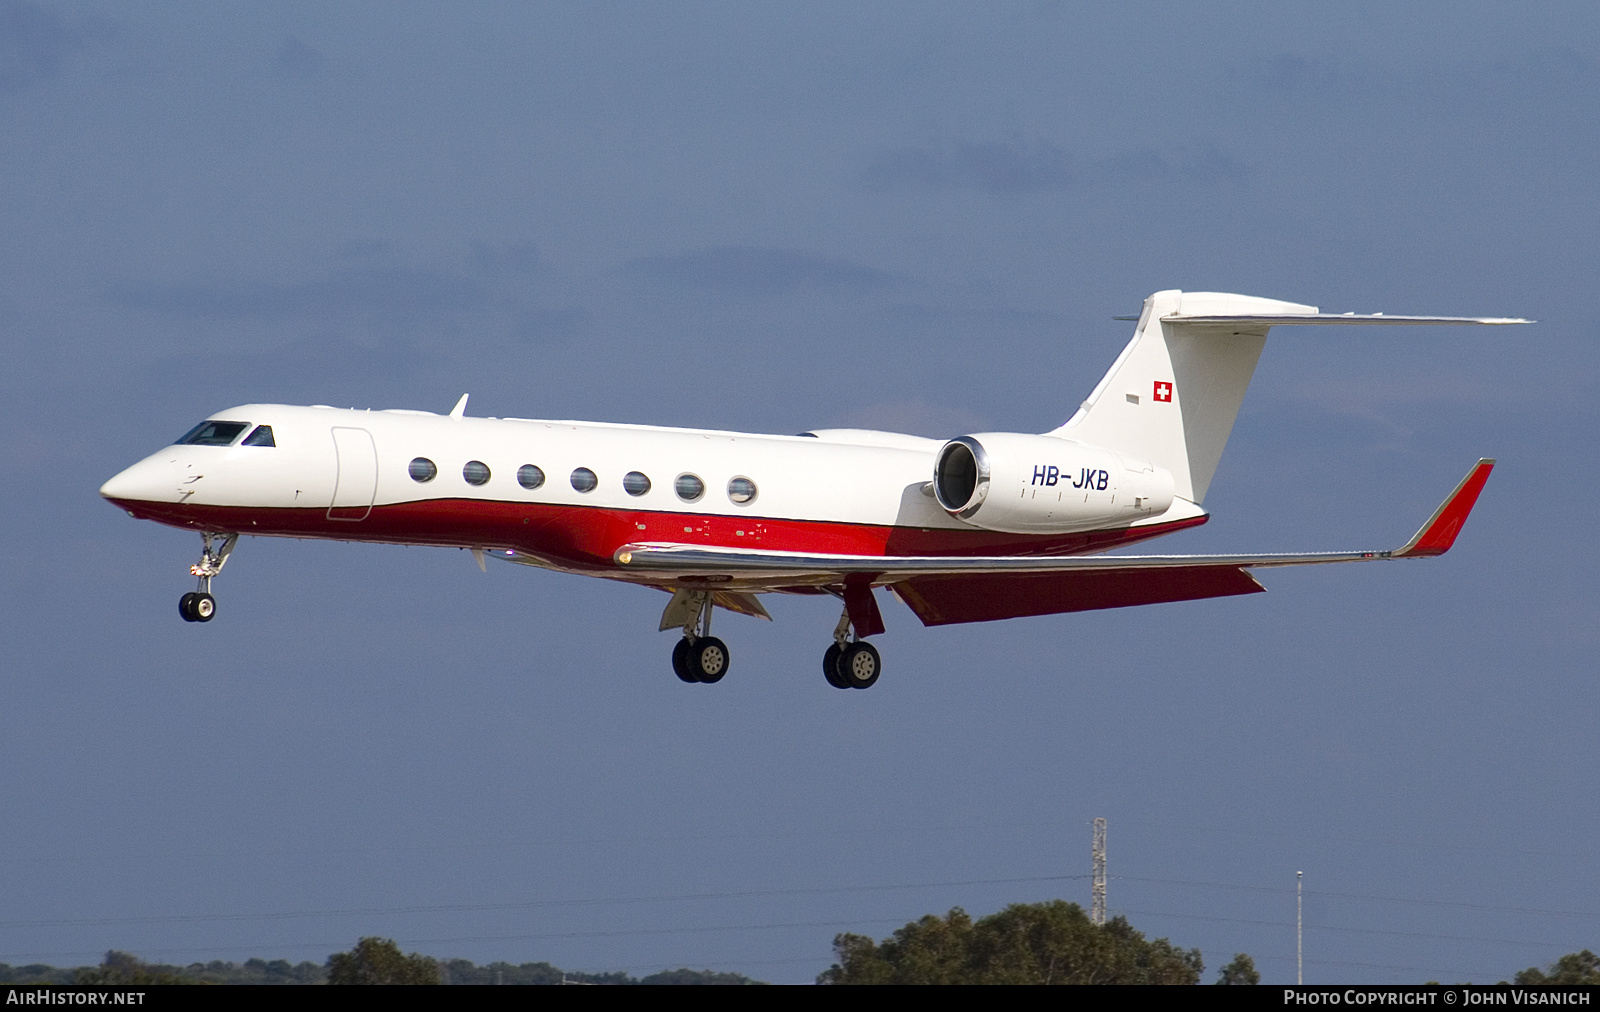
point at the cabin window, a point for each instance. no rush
(422, 469)
(261, 437)
(584, 480)
(635, 483)
(476, 472)
(530, 476)
(213, 433)
(742, 491)
(689, 487)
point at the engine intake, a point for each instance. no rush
(1025, 484)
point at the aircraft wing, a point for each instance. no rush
(945, 589)
(1314, 319)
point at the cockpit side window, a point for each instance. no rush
(213, 433)
(261, 437)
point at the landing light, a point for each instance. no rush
(625, 558)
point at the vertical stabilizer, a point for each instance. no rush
(1172, 396)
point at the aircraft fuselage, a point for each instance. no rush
(352, 475)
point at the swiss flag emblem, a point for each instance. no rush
(1163, 391)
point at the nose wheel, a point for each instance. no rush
(198, 605)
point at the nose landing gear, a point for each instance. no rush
(198, 605)
(699, 656)
(195, 607)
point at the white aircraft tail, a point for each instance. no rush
(1172, 396)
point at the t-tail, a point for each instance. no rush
(1172, 396)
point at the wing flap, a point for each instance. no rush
(947, 600)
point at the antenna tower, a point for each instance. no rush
(1097, 912)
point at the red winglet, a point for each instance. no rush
(1439, 533)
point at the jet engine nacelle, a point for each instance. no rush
(1023, 484)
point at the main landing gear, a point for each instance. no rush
(198, 605)
(699, 656)
(850, 665)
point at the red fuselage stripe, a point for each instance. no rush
(585, 537)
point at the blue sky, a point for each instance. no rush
(772, 218)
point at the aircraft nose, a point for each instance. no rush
(145, 480)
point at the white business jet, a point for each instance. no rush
(980, 527)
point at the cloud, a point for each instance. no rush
(1554, 66)
(1204, 164)
(357, 291)
(915, 416)
(33, 43)
(516, 256)
(1526, 77)
(296, 59)
(1291, 75)
(320, 369)
(1008, 168)
(762, 271)
(367, 301)
(364, 249)
(999, 167)
(923, 316)
(544, 324)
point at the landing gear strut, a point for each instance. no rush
(198, 605)
(699, 656)
(850, 665)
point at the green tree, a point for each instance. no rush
(1573, 968)
(124, 968)
(1026, 943)
(684, 975)
(378, 961)
(1241, 971)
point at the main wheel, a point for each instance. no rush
(707, 659)
(204, 607)
(830, 667)
(859, 665)
(186, 606)
(680, 661)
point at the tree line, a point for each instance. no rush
(371, 961)
(1026, 943)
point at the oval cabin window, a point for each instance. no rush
(476, 472)
(689, 487)
(422, 469)
(742, 491)
(584, 480)
(530, 476)
(635, 483)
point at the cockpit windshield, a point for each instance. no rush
(261, 437)
(213, 433)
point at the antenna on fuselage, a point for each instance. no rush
(460, 410)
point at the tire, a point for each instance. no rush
(204, 607)
(680, 661)
(860, 665)
(708, 659)
(186, 606)
(830, 667)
